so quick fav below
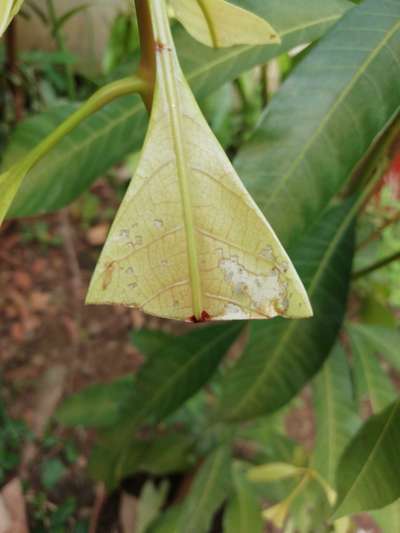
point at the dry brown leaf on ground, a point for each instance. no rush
(13, 517)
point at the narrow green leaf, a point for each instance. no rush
(370, 378)
(177, 371)
(336, 413)
(369, 471)
(96, 406)
(81, 157)
(281, 357)
(301, 154)
(386, 341)
(273, 472)
(208, 492)
(243, 512)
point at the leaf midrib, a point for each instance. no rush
(167, 64)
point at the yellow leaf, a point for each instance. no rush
(273, 472)
(218, 23)
(188, 242)
(8, 10)
(277, 514)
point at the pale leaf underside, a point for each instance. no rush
(5, 11)
(188, 242)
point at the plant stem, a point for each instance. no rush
(377, 265)
(98, 100)
(147, 67)
(377, 233)
(62, 48)
(12, 68)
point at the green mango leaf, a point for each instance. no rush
(280, 356)
(370, 378)
(336, 413)
(210, 488)
(150, 342)
(383, 340)
(177, 371)
(219, 24)
(368, 475)
(167, 522)
(188, 242)
(301, 154)
(243, 511)
(96, 406)
(114, 457)
(371, 381)
(81, 156)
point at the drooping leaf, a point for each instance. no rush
(243, 511)
(220, 24)
(370, 378)
(5, 11)
(336, 413)
(384, 340)
(167, 522)
(301, 162)
(368, 476)
(188, 242)
(8, 10)
(280, 356)
(96, 406)
(81, 156)
(274, 472)
(209, 490)
(177, 371)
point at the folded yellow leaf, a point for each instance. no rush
(219, 24)
(188, 242)
(8, 9)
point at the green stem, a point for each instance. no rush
(377, 265)
(98, 100)
(62, 48)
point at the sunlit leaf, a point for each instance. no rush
(218, 23)
(369, 470)
(188, 242)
